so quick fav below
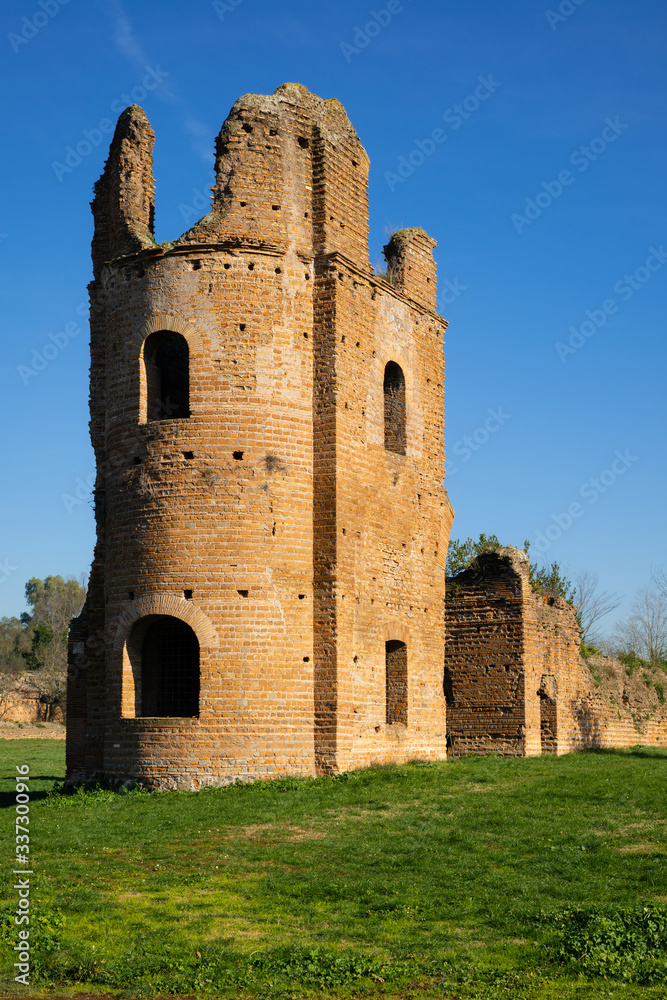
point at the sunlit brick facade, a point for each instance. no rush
(267, 592)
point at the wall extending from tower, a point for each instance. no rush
(512, 665)
(262, 508)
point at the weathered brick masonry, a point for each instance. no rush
(514, 680)
(267, 594)
(268, 423)
(512, 660)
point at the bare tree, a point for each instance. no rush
(644, 631)
(592, 605)
(659, 580)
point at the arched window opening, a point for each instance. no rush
(169, 669)
(167, 363)
(394, 408)
(396, 663)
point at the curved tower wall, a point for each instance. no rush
(272, 520)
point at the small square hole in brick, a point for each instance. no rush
(301, 596)
(275, 208)
(251, 267)
(196, 265)
(137, 460)
(303, 142)
(242, 593)
(241, 326)
(238, 455)
(188, 454)
(306, 659)
(227, 267)
(243, 204)
(187, 594)
(130, 595)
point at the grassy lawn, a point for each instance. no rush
(448, 880)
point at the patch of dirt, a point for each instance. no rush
(299, 834)
(276, 833)
(639, 848)
(32, 731)
(647, 824)
(363, 812)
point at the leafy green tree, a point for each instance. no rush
(54, 602)
(549, 579)
(15, 645)
(461, 554)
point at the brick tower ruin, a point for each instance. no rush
(267, 592)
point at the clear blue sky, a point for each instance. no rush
(544, 186)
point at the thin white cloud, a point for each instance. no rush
(124, 37)
(201, 135)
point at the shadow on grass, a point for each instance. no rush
(653, 753)
(8, 799)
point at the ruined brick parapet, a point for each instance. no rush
(290, 170)
(124, 195)
(410, 265)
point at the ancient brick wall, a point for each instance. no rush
(393, 519)
(262, 509)
(552, 665)
(512, 660)
(484, 661)
(514, 680)
(609, 708)
(21, 702)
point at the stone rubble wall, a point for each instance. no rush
(20, 702)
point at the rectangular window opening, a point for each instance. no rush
(396, 666)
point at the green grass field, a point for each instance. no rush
(445, 880)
